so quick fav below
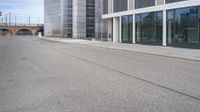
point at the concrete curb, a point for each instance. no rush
(87, 43)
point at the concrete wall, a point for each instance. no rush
(116, 29)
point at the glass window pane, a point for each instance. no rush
(127, 29)
(144, 3)
(172, 1)
(149, 28)
(120, 5)
(183, 27)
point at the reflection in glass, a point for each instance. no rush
(149, 28)
(183, 27)
(127, 29)
(144, 3)
(66, 18)
(120, 5)
(172, 1)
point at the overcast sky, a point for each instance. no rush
(22, 9)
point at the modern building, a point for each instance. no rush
(100, 24)
(52, 17)
(74, 18)
(156, 22)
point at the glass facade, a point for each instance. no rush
(120, 5)
(144, 3)
(149, 28)
(172, 1)
(100, 24)
(127, 29)
(183, 27)
(52, 17)
(90, 18)
(74, 18)
(66, 18)
(105, 6)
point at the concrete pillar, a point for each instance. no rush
(120, 29)
(134, 31)
(116, 29)
(33, 32)
(14, 33)
(164, 28)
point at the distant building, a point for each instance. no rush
(100, 24)
(74, 18)
(52, 17)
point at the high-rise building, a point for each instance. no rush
(74, 18)
(156, 22)
(100, 24)
(52, 17)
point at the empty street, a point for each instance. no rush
(44, 76)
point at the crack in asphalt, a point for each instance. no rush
(126, 74)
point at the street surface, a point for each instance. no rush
(45, 76)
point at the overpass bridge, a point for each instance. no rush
(31, 30)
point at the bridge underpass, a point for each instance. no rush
(24, 32)
(21, 30)
(5, 32)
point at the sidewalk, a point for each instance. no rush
(184, 53)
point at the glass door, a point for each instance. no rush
(127, 29)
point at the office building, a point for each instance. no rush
(52, 17)
(74, 18)
(155, 22)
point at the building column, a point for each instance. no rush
(120, 29)
(33, 32)
(14, 33)
(134, 30)
(116, 29)
(164, 28)
(112, 5)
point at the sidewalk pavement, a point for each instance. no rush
(183, 53)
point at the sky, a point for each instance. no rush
(22, 9)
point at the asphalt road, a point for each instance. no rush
(44, 76)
